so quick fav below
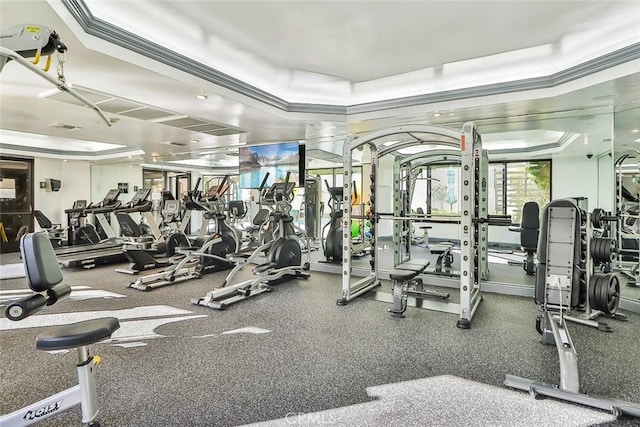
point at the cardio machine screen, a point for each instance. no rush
(111, 196)
(171, 207)
(140, 195)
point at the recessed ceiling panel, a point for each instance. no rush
(118, 105)
(183, 122)
(224, 132)
(64, 96)
(147, 113)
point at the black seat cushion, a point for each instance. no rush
(530, 226)
(440, 249)
(529, 240)
(402, 275)
(414, 264)
(77, 334)
(44, 222)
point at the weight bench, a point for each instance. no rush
(445, 257)
(557, 291)
(45, 279)
(406, 282)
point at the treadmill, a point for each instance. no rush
(106, 251)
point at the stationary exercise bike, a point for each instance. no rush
(283, 254)
(45, 279)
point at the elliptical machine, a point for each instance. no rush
(197, 261)
(227, 240)
(283, 254)
(332, 243)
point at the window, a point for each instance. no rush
(509, 186)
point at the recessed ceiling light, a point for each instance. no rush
(195, 141)
(585, 139)
(201, 95)
(436, 114)
(635, 130)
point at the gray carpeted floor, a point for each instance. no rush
(308, 355)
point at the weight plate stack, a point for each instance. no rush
(604, 293)
(602, 249)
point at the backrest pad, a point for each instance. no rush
(40, 262)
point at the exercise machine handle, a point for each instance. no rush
(25, 307)
(327, 184)
(195, 187)
(221, 187)
(286, 180)
(264, 182)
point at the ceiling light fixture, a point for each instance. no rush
(585, 138)
(436, 114)
(201, 95)
(195, 141)
(635, 130)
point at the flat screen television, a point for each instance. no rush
(277, 159)
(53, 184)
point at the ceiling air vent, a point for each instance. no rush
(63, 126)
(178, 144)
(137, 110)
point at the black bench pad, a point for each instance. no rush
(77, 334)
(439, 249)
(413, 266)
(402, 275)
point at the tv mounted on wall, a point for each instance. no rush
(277, 159)
(53, 184)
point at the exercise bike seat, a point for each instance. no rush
(77, 334)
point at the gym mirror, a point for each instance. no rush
(626, 195)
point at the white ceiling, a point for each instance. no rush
(328, 53)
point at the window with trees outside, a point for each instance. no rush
(510, 185)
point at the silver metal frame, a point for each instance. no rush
(6, 53)
(83, 394)
(473, 206)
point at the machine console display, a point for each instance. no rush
(171, 207)
(111, 197)
(140, 196)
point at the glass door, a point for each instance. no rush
(16, 201)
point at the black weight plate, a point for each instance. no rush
(613, 294)
(594, 299)
(602, 294)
